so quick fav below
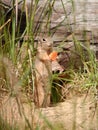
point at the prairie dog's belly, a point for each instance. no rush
(41, 69)
(42, 83)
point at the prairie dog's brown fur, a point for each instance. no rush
(43, 71)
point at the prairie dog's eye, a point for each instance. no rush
(44, 39)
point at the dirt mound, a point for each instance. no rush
(78, 113)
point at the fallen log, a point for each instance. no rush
(67, 17)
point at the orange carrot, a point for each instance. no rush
(53, 55)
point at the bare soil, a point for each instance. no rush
(77, 113)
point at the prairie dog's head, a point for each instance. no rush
(45, 43)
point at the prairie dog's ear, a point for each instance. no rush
(38, 42)
(40, 39)
(44, 39)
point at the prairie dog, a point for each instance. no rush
(43, 71)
